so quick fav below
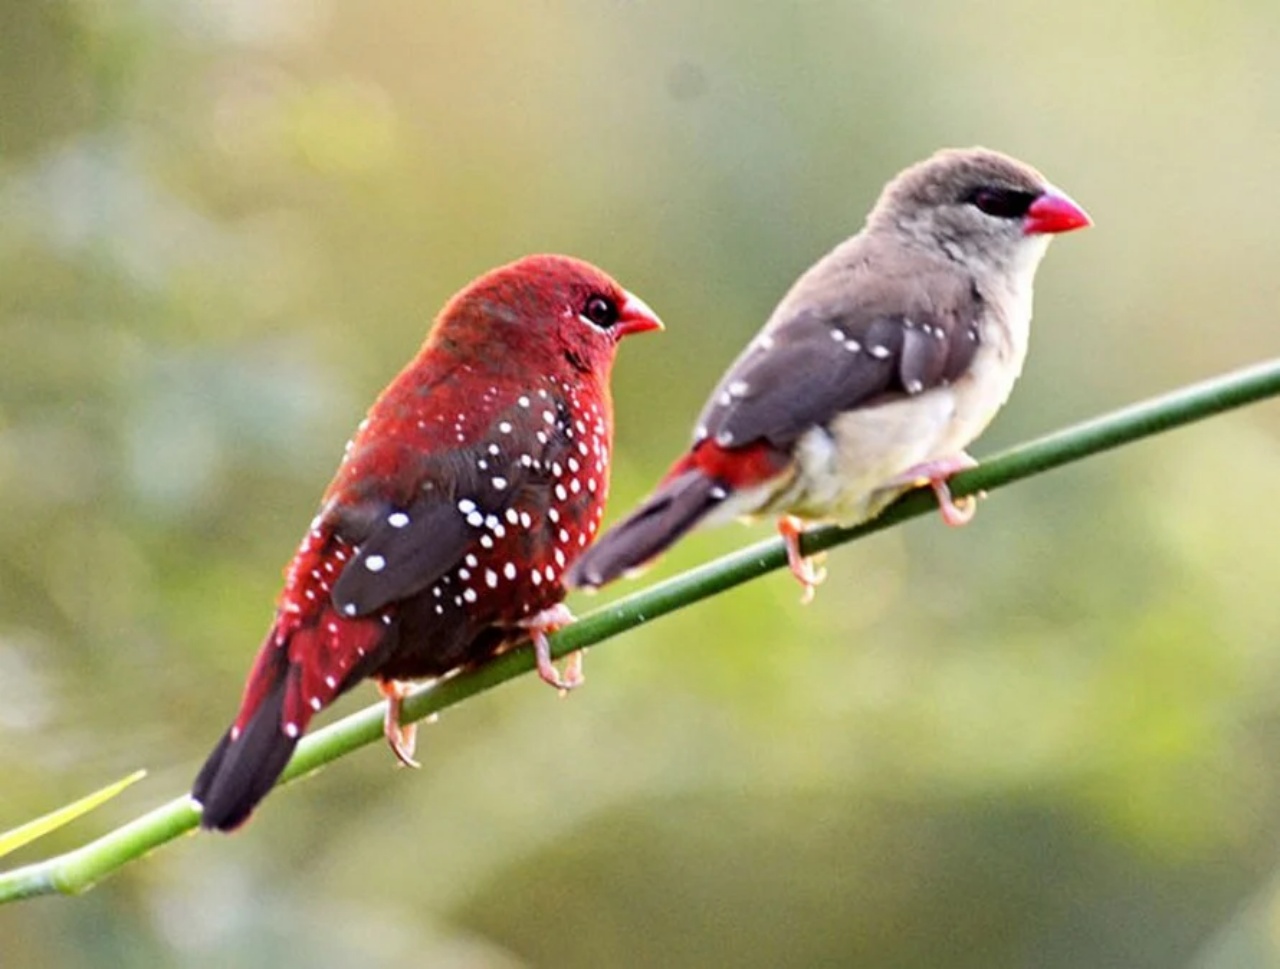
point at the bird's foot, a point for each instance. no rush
(539, 625)
(935, 474)
(402, 738)
(809, 575)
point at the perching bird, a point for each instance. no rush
(874, 373)
(477, 478)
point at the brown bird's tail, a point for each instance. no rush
(685, 498)
(695, 486)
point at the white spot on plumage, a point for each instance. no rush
(522, 400)
(564, 535)
(491, 578)
(316, 704)
(550, 573)
(509, 570)
(553, 514)
(879, 352)
(500, 483)
(718, 493)
(471, 560)
(914, 386)
(466, 506)
(291, 730)
(542, 437)
(739, 388)
(526, 520)
(513, 516)
(536, 577)
(475, 519)
(494, 449)
(349, 609)
(561, 494)
(464, 574)
(559, 555)
(504, 427)
(549, 416)
(331, 682)
(397, 519)
(486, 541)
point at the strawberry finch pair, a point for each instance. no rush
(469, 498)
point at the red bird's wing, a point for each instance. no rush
(862, 348)
(399, 549)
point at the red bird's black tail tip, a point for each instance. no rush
(675, 508)
(240, 772)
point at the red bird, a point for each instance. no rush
(875, 372)
(478, 477)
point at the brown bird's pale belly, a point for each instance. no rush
(842, 471)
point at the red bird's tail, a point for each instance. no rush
(248, 760)
(306, 661)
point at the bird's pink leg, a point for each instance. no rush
(806, 573)
(539, 625)
(402, 738)
(935, 475)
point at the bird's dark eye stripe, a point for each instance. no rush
(601, 311)
(1003, 203)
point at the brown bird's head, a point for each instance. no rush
(976, 205)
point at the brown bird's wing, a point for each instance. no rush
(835, 343)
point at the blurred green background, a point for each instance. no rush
(1048, 740)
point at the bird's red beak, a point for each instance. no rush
(635, 316)
(1053, 212)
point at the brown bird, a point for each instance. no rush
(875, 372)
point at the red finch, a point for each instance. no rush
(476, 480)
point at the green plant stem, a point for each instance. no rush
(81, 868)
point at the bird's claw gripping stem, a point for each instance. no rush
(809, 575)
(935, 474)
(539, 625)
(402, 738)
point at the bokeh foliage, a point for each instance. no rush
(1047, 740)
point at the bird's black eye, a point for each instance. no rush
(600, 311)
(1003, 203)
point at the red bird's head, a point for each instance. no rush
(545, 311)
